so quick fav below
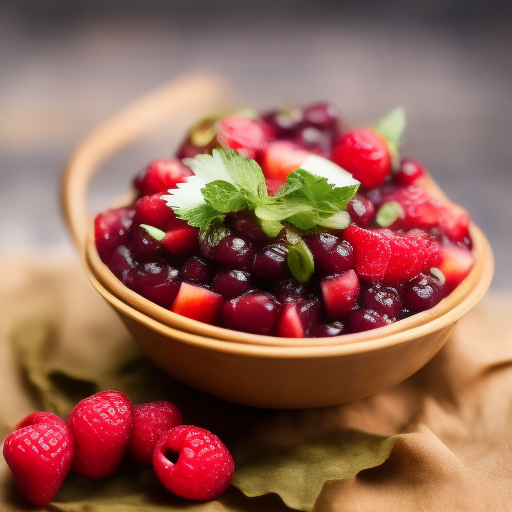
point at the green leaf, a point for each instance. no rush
(300, 260)
(298, 473)
(224, 197)
(318, 193)
(202, 217)
(392, 125)
(388, 213)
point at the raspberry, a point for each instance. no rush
(40, 454)
(365, 155)
(381, 255)
(204, 468)
(154, 211)
(161, 175)
(101, 425)
(150, 421)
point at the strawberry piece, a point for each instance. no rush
(204, 468)
(161, 175)
(150, 421)
(364, 154)
(111, 230)
(153, 210)
(280, 158)
(456, 265)
(181, 239)
(40, 455)
(198, 303)
(242, 134)
(101, 425)
(381, 255)
(340, 294)
(454, 221)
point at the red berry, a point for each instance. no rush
(101, 425)
(150, 421)
(365, 155)
(381, 255)
(153, 210)
(254, 312)
(245, 135)
(410, 170)
(197, 303)
(361, 210)
(111, 230)
(298, 318)
(161, 175)
(40, 456)
(360, 320)
(37, 417)
(340, 294)
(204, 468)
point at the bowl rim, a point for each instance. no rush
(432, 322)
(465, 296)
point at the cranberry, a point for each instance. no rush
(111, 230)
(231, 283)
(234, 252)
(329, 330)
(324, 116)
(245, 223)
(197, 270)
(285, 123)
(410, 170)
(121, 263)
(144, 247)
(361, 210)
(254, 312)
(315, 140)
(159, 283)
(422, 292)
(364, 320)
(331, 255)
(289, 290)
(384, 300)
(270, 263)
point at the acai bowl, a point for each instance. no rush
(309, 277)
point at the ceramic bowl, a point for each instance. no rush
(260, 371)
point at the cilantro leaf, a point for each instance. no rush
(224, 197)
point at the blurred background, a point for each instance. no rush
(67, 66)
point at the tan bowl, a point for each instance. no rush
(261, 371)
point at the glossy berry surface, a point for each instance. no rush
(421, 293)
(204, 467)
(101, 425)
(39, 455)
(150, 421)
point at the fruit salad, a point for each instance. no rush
(289, 223)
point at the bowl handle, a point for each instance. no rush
(190, 92)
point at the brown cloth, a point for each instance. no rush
(453, 419)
